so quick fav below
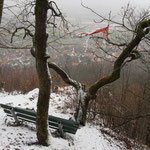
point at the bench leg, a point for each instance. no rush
(60, 129)
(15, 117)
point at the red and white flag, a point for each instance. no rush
(103, 30)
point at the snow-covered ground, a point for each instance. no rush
(22, 137)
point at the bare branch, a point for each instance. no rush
(64, 75)
(55, 12)
(103, 19)
(61, 72)
(26, 32)
(120, 60)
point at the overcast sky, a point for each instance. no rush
(73, 8)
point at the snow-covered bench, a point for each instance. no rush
(20, 114)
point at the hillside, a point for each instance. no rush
(89, 137)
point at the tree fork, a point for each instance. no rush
(118, 64)
(140, 33)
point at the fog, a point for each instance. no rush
(73, 8)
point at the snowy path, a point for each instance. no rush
(19, 138)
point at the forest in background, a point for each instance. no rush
(116, 105)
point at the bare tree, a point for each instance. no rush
(1, 9)
(137, 30)
(43, 73)
(37, 32)
(41, 12)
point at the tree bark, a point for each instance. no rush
(79, 88)
(85, 97)
(118, 64)
(42, 71)
(1, 9)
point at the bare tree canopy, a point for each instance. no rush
(126, 41)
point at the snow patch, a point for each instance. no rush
(23, 137)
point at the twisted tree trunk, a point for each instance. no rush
(141, 31)
(85, 97)
(78, 86)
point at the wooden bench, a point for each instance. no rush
(20, 114)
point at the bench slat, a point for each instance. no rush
(50, 118)
(30, 116)
(31, 119)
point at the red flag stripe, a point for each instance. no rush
(104, 30)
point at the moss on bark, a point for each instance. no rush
(140, 33)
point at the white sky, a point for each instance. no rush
(73, 8)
